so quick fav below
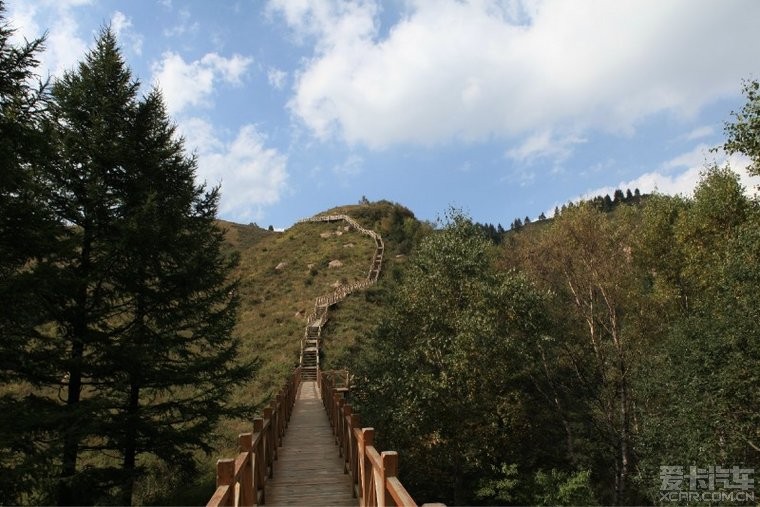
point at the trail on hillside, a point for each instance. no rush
(310, 343)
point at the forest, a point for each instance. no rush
(116, 301)
(609, 354)
(575, 361)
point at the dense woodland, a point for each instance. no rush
(116, 304)
(562, 361)
(567, 361)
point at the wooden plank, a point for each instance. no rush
(308, 470)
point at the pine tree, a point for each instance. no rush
(93, 110)
(146, 306)
(27, 255)
(607, 204)
(179, 306)
(517, 224)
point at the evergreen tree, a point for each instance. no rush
(607, 204)
(628, 194)
(93, 112)
(175, 362)
(27, 256)
(517, 224)
(146, 307)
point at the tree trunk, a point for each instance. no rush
(130, 443)
(66, 494)
(458, 483)
(624, 435)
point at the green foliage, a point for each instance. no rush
(499, 489)
(743, 134)
(701, 374)
(28, 253)
(449, 346)
(561, 488)
(121, 346)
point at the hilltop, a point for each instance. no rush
(281, 274)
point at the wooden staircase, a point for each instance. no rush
(310, 352)
(311, 341)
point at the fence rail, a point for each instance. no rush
(373, 474)
(242, 480)
(315, 321)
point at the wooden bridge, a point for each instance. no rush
(309, 447)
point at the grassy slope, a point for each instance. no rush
(274, 305)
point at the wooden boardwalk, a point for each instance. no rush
(308, 470)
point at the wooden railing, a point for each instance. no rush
(374, 474)
(318, 318)
(242, 480)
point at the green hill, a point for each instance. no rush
(282, 273)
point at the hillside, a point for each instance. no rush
(281, 274)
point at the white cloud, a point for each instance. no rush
(472, 70)
(64, 45)
(699, 156)
(184, 26)
(276, 78)
(349, 167)
(251, 174)
(122, 27)
(683, 182)
(544, 145)
(699, 133)
(192, 84)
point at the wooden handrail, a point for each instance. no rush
(242, 480)
(373, 474)
(318, 318)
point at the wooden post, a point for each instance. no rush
(338, 423)
(275, 422)
(268, 451)
(225, 475)
(390, 469)
(245, 440)
(365, 466)
(353, 464)
(344, 435)
(260, 462)
(280, 420)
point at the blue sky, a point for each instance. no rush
(503, 108)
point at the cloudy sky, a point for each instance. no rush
(503, 108)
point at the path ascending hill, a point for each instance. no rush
(310, 343)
